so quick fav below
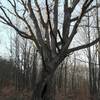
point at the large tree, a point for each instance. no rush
(40, 21)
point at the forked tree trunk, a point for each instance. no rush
(41, 91)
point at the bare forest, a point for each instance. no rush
(53, 50)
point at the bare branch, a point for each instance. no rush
(84, 46)
(55, 19)
(66, 22)
(60, 36)
(65, 51)
(23, 34)
(9, 11)
(74, 19)
(9, 23)
(60, 57)
(87, 4)
(15, 10)
(40, 14)
(10, 3)
(3, 22)
(35, 22)
(51, 30)
(89, 9)
(24, 4)
(84, 8)
(5, 14)
(75, 2)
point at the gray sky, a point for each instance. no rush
(4, 40)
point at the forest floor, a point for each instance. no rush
(10, 93)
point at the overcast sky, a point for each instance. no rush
(4, 40)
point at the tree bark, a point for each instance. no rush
(41, 88)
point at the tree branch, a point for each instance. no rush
(84, 8)
(24, 4)
(75, 2)
(89, 9)
(74, 19)
(66, 22)
(51, 30)
(35, 22)
(8, 22)
(65, 51)
(21, 33)
(84, 46)
(40, 14)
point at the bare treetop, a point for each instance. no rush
(40, 21)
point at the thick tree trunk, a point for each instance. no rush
(41, 88)
(41, 91)
(37, 92)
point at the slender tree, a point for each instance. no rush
(98, 32)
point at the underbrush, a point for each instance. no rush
(10, 93)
